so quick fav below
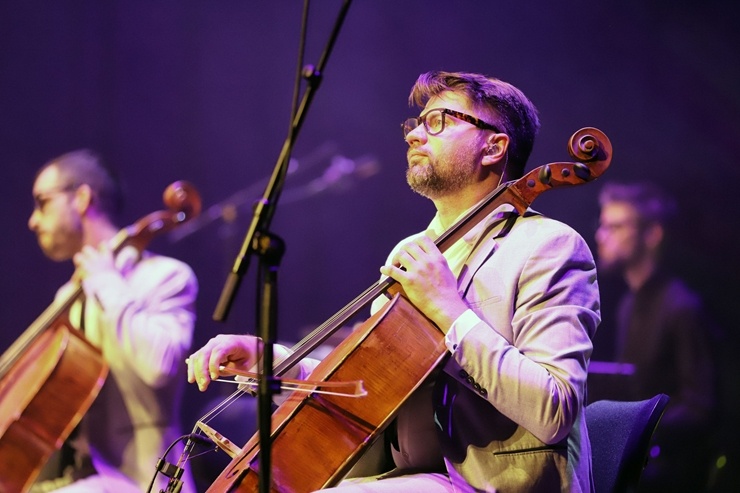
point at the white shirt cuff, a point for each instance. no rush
(459, 328)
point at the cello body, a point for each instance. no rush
(42, 399)
(318, 438)
(50, 376)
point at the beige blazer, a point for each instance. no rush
(508, 405)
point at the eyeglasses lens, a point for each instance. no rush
(433, 120)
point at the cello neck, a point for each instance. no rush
(592, 151)
(183, 203)
(53, 313)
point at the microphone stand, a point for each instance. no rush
(269, 248)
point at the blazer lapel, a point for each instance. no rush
(486, 245)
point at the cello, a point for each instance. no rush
(317, 438)
(51, 374)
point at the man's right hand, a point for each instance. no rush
(240, 352)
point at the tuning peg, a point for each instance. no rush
(545, 174)
(582, 171)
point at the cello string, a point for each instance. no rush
(221, 406)
(326, 329)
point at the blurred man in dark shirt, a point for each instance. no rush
(662, 330)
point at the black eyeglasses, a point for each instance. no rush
(434, 121)
(41, 199)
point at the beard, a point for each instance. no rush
(56, 248)
(617, 262)
(610, 266)
(433, 177)
(62, 239)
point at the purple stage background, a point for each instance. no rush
(201, 91)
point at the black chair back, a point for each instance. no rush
(620, 433)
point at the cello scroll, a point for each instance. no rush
(592, 151)
(183, 203)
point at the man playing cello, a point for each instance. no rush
(138, 309)
(516, 298)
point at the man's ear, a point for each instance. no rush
(83, 199)
(495, 150)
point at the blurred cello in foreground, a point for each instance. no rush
(51, 374)
(317, 438)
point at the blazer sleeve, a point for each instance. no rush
(536, 309)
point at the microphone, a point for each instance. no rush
(229, 208)
(340, 173)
